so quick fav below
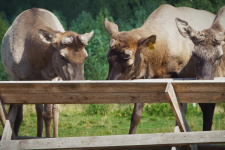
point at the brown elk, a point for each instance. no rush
(131, 55)
(36, 47)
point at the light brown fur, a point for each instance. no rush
(173, 54)
(36, 47)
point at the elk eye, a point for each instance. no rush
(64, 59)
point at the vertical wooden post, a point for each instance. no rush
(179, 114)
(8, 132)
(2, 114)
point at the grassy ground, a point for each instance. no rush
(90, 120)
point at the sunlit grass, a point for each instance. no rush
(74, 121)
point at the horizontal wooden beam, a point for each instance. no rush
(119, 141)
(200, 147)
(144, 86)
(81, 87)
(101, 98)
(83, 92)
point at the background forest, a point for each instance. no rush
(86, 15)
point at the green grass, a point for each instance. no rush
(79, 120)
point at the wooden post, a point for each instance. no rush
(8, 132)
(179, 114)
(2, 113)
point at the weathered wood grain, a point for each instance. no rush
(110, 92)
(179, 114)
(119, 141)
(2, 113)
(81, 87)
(8, 132)
(111, 86)
(89, 98)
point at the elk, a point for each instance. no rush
(134, 54)
(36, 47)
(208, 50)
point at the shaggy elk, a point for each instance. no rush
(209, 46)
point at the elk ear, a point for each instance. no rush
(84, 38)
(47, 37)
(111, 27)
(184, 29)
(149, 42)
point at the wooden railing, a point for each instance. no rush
(137, 91)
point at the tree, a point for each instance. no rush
(96, 66)
(3, 29)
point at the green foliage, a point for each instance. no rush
(159, 109)
(193, 110)
(222, 106)
(164, 109)
(83, 23)
(96, 67)
(97, 109)
(3, 26)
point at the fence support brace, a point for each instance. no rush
(179, 114)
(8, 132)
(2, 114)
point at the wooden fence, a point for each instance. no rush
(87, 92)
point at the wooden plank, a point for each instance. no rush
(135, 148)
(83, 98)
(201, 97)
(119, 141)
(2, 113)
(200, 147)
(178, 113)
(83, 87)
(177, 110)
(89, 98)
(8, 132)
(199, 87)
(184, 86)
(211, 147)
